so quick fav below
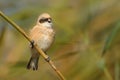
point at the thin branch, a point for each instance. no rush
(46, 57)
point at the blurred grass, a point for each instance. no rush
(110, 38)
(82, 27)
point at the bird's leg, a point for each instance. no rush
(48, 58)
(32, 44)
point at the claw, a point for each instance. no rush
(32, 44)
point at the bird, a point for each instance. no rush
(43, 35)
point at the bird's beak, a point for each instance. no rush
(49, 20)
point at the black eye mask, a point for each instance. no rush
(45, 20)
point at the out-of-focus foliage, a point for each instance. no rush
(82, 27)
(110, 38)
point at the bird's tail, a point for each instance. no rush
(33, 63)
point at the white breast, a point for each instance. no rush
(45, 42)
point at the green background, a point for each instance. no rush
(84, 28)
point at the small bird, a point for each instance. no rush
(43, 35)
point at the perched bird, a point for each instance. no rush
(43, 35)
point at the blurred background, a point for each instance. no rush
(84, 28)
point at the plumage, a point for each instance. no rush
(43, 35)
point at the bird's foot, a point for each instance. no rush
(32, 44)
